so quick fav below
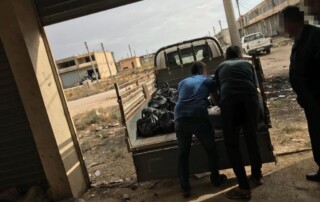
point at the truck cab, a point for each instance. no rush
(173, 62)
(155, 157)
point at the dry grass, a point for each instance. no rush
(101, 117)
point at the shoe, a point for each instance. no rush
(186, 193)
(217, 181)
(238, 193)
(257, 181)
(313, 177)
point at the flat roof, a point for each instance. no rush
(55, 11)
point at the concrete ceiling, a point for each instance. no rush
(54, 11)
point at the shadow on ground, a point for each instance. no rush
(286, 184)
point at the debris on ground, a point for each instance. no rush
(126, 197)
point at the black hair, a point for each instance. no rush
(197, 68)
(233, 52)
(292, 14)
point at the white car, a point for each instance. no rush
(255, 43)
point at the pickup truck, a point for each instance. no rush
(156, 157)
(255, 43)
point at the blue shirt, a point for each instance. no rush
(193, 96)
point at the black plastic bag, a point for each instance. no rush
(166, 120)
(148, 125)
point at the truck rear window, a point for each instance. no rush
(201, 52)
(253, 37)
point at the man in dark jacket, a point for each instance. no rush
(304, 74)
(239, 103)
(191, 117)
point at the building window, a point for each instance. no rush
(66, 64)
(87, 59)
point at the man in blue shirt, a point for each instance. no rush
(191, 117)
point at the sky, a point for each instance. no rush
(146, 26)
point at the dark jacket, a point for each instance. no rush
(304, 69)
(235, 78)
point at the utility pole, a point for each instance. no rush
(94, 69)
(130, 50)
(220, 25)
(240, 19)
(214, 31)
(232, 25)
(107, 61)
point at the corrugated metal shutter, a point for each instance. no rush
(19, 160)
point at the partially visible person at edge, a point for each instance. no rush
(239, 103)
(191, 117)
(304, 73)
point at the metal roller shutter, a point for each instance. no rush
(19, 160)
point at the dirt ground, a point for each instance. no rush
(111, 166)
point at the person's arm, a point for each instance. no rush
(215, 97)
(214, 92)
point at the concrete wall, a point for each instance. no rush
(105, 67)
(52, 128)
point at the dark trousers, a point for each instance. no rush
(203, 130)
(313, 119)
(237, 113)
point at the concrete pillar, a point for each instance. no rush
(33, 69)
(232, 25)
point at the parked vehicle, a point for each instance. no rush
(255, 43)
(155, 157)
(85, 78)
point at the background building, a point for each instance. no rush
(224, 37)
(147, 60)
(264, 17)
(73, 69)
(129, 63)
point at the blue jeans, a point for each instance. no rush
(203, 130)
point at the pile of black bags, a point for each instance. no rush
(158, 118)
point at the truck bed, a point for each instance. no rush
(152, 153)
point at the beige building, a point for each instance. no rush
(147, 60)
(73, 69)
(129, 63)
(264, 17)
(224, 37)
